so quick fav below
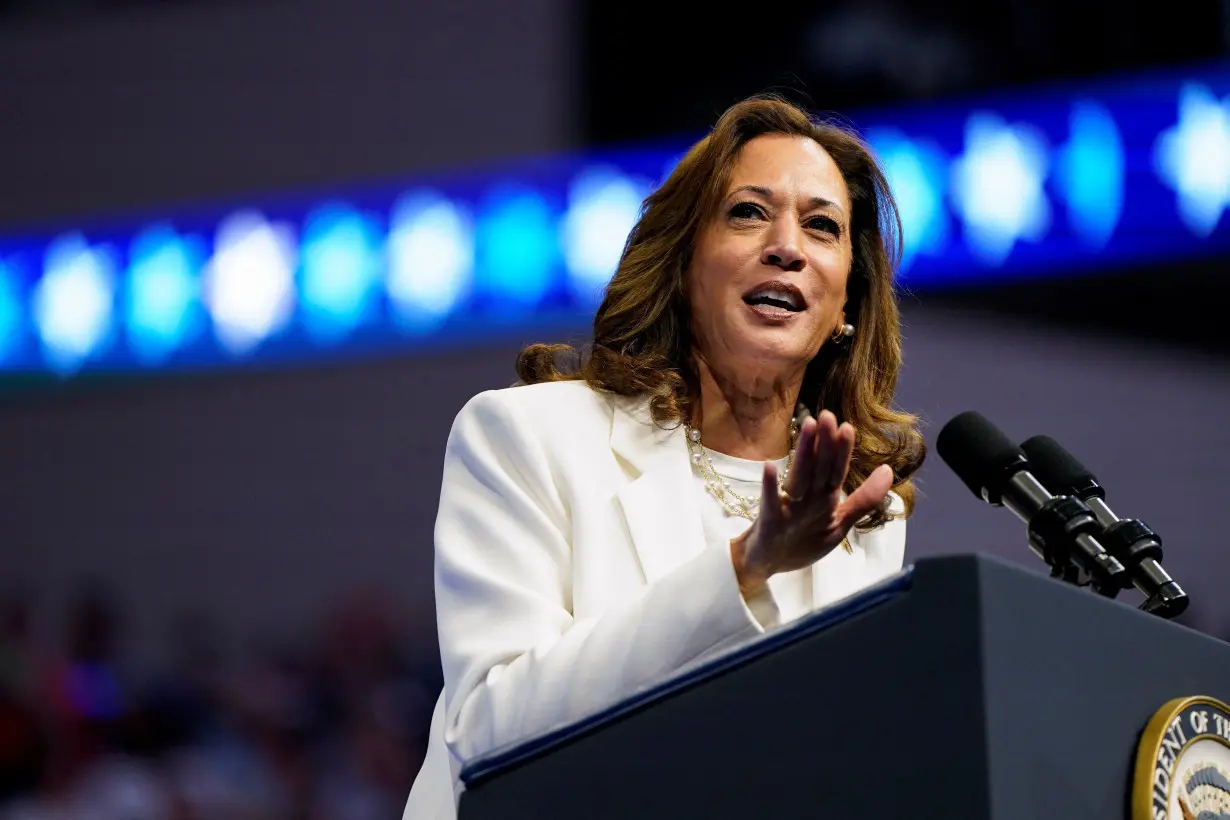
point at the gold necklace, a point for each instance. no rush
(719, 488)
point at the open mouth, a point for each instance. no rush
(777, 296)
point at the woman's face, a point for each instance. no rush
(767, 281)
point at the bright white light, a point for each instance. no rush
(997, 186)
(431, 257)
(917, 172)
(1193, 158)
(163, 292)
(1090, 171)
(341, 268)
(249, 283)
(73, 301)
(603, 206)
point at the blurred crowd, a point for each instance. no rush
(333, 729)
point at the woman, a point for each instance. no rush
(602, 526)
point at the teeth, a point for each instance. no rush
(779, 295)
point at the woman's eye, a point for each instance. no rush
(745, 210)
(824, 223)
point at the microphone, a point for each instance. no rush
(1129, 540)
(1062, 528)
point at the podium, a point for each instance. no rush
(963, 687)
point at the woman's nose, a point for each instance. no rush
(782, 249)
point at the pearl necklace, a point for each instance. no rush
(719, 488)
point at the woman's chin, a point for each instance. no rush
(781, 349)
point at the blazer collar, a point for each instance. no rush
(659, 503)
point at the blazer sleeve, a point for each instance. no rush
(886, 544)
(515, 660)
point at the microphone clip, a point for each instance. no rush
(1062, 533)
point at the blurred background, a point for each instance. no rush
(254, 256)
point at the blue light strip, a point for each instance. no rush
(1053, 182)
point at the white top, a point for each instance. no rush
(572, 571)
(791, 596)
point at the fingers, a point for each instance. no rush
(834, 446)
(799, 482)
(770, 498)
(843, 449)
(826, 432)
(869, 495)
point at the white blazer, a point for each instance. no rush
(572, 571)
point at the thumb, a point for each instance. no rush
(868, 497)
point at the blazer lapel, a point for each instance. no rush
(661, 507)
(659, 503)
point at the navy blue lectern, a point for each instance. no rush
(963, 687)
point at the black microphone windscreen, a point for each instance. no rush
(979, 453)
(1058, 470)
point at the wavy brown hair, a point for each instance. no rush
(642, 343)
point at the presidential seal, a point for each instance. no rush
(1183, 763)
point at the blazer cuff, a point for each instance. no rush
(762, 608)
(731, 619)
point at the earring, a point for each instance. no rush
(842, 332)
